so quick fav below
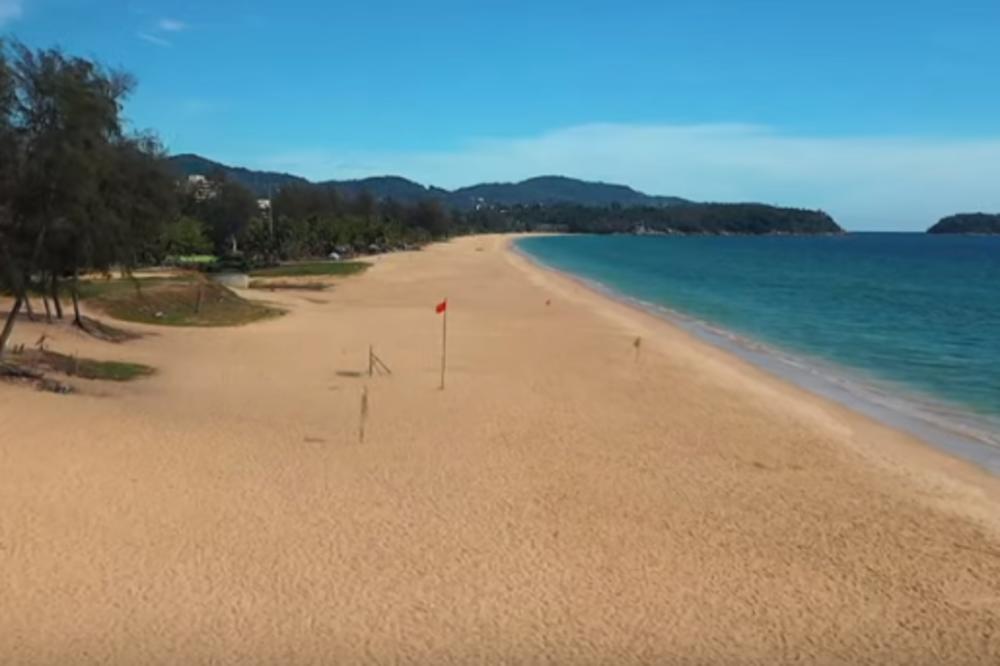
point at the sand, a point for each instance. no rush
(559, 502)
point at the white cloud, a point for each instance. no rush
(10, 10)
(864, 182)
(171, 25)
(153, 39)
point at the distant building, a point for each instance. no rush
(201, 187)
(264, 205)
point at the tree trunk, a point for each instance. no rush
(55, 296)
(75, 292)
(45, 302)
(26, 280)
(27, 304)
(8, 326)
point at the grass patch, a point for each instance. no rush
(112, 371)
(88, 368)
(307, 268)
(185, 301)
(195, 259)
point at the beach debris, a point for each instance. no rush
(638, 345)
(20, 373)
(53, 386)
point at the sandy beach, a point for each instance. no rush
(560, 502)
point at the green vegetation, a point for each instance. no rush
(312, 268)
(185, 236)
(184, 301)
(87, 368)
(195, 260)
(967, 223)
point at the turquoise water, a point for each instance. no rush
(911, 315)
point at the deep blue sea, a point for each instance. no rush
(908, 321)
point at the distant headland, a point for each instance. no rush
(967, 223)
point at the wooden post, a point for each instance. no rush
(364, 414)
(371, 360)
(444, 343)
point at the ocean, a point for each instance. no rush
(902, 326)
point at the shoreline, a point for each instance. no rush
(925, 446)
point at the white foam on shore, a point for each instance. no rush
(972, 437)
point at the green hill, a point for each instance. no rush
(967, 223)
(548, 190)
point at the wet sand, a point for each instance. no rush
(559, 502)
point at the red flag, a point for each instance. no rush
(442, 306)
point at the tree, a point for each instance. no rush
(431, 217)
(70, 124)
(76, 192)
(139, 198)
(228, 213)
(9, 167)
(184, 236)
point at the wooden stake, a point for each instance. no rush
(444, 343)
(375, 364)
(364, 414)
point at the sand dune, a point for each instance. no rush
(558, 503)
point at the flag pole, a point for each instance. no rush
(444, 341)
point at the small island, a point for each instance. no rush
(967, 223)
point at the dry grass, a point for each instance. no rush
(273, 285)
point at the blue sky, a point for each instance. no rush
(885, 113)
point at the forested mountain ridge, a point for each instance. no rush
(967, 223)
(546, 190)
(261, 183)
(383, 188)
(545, 203)
(551, 190)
